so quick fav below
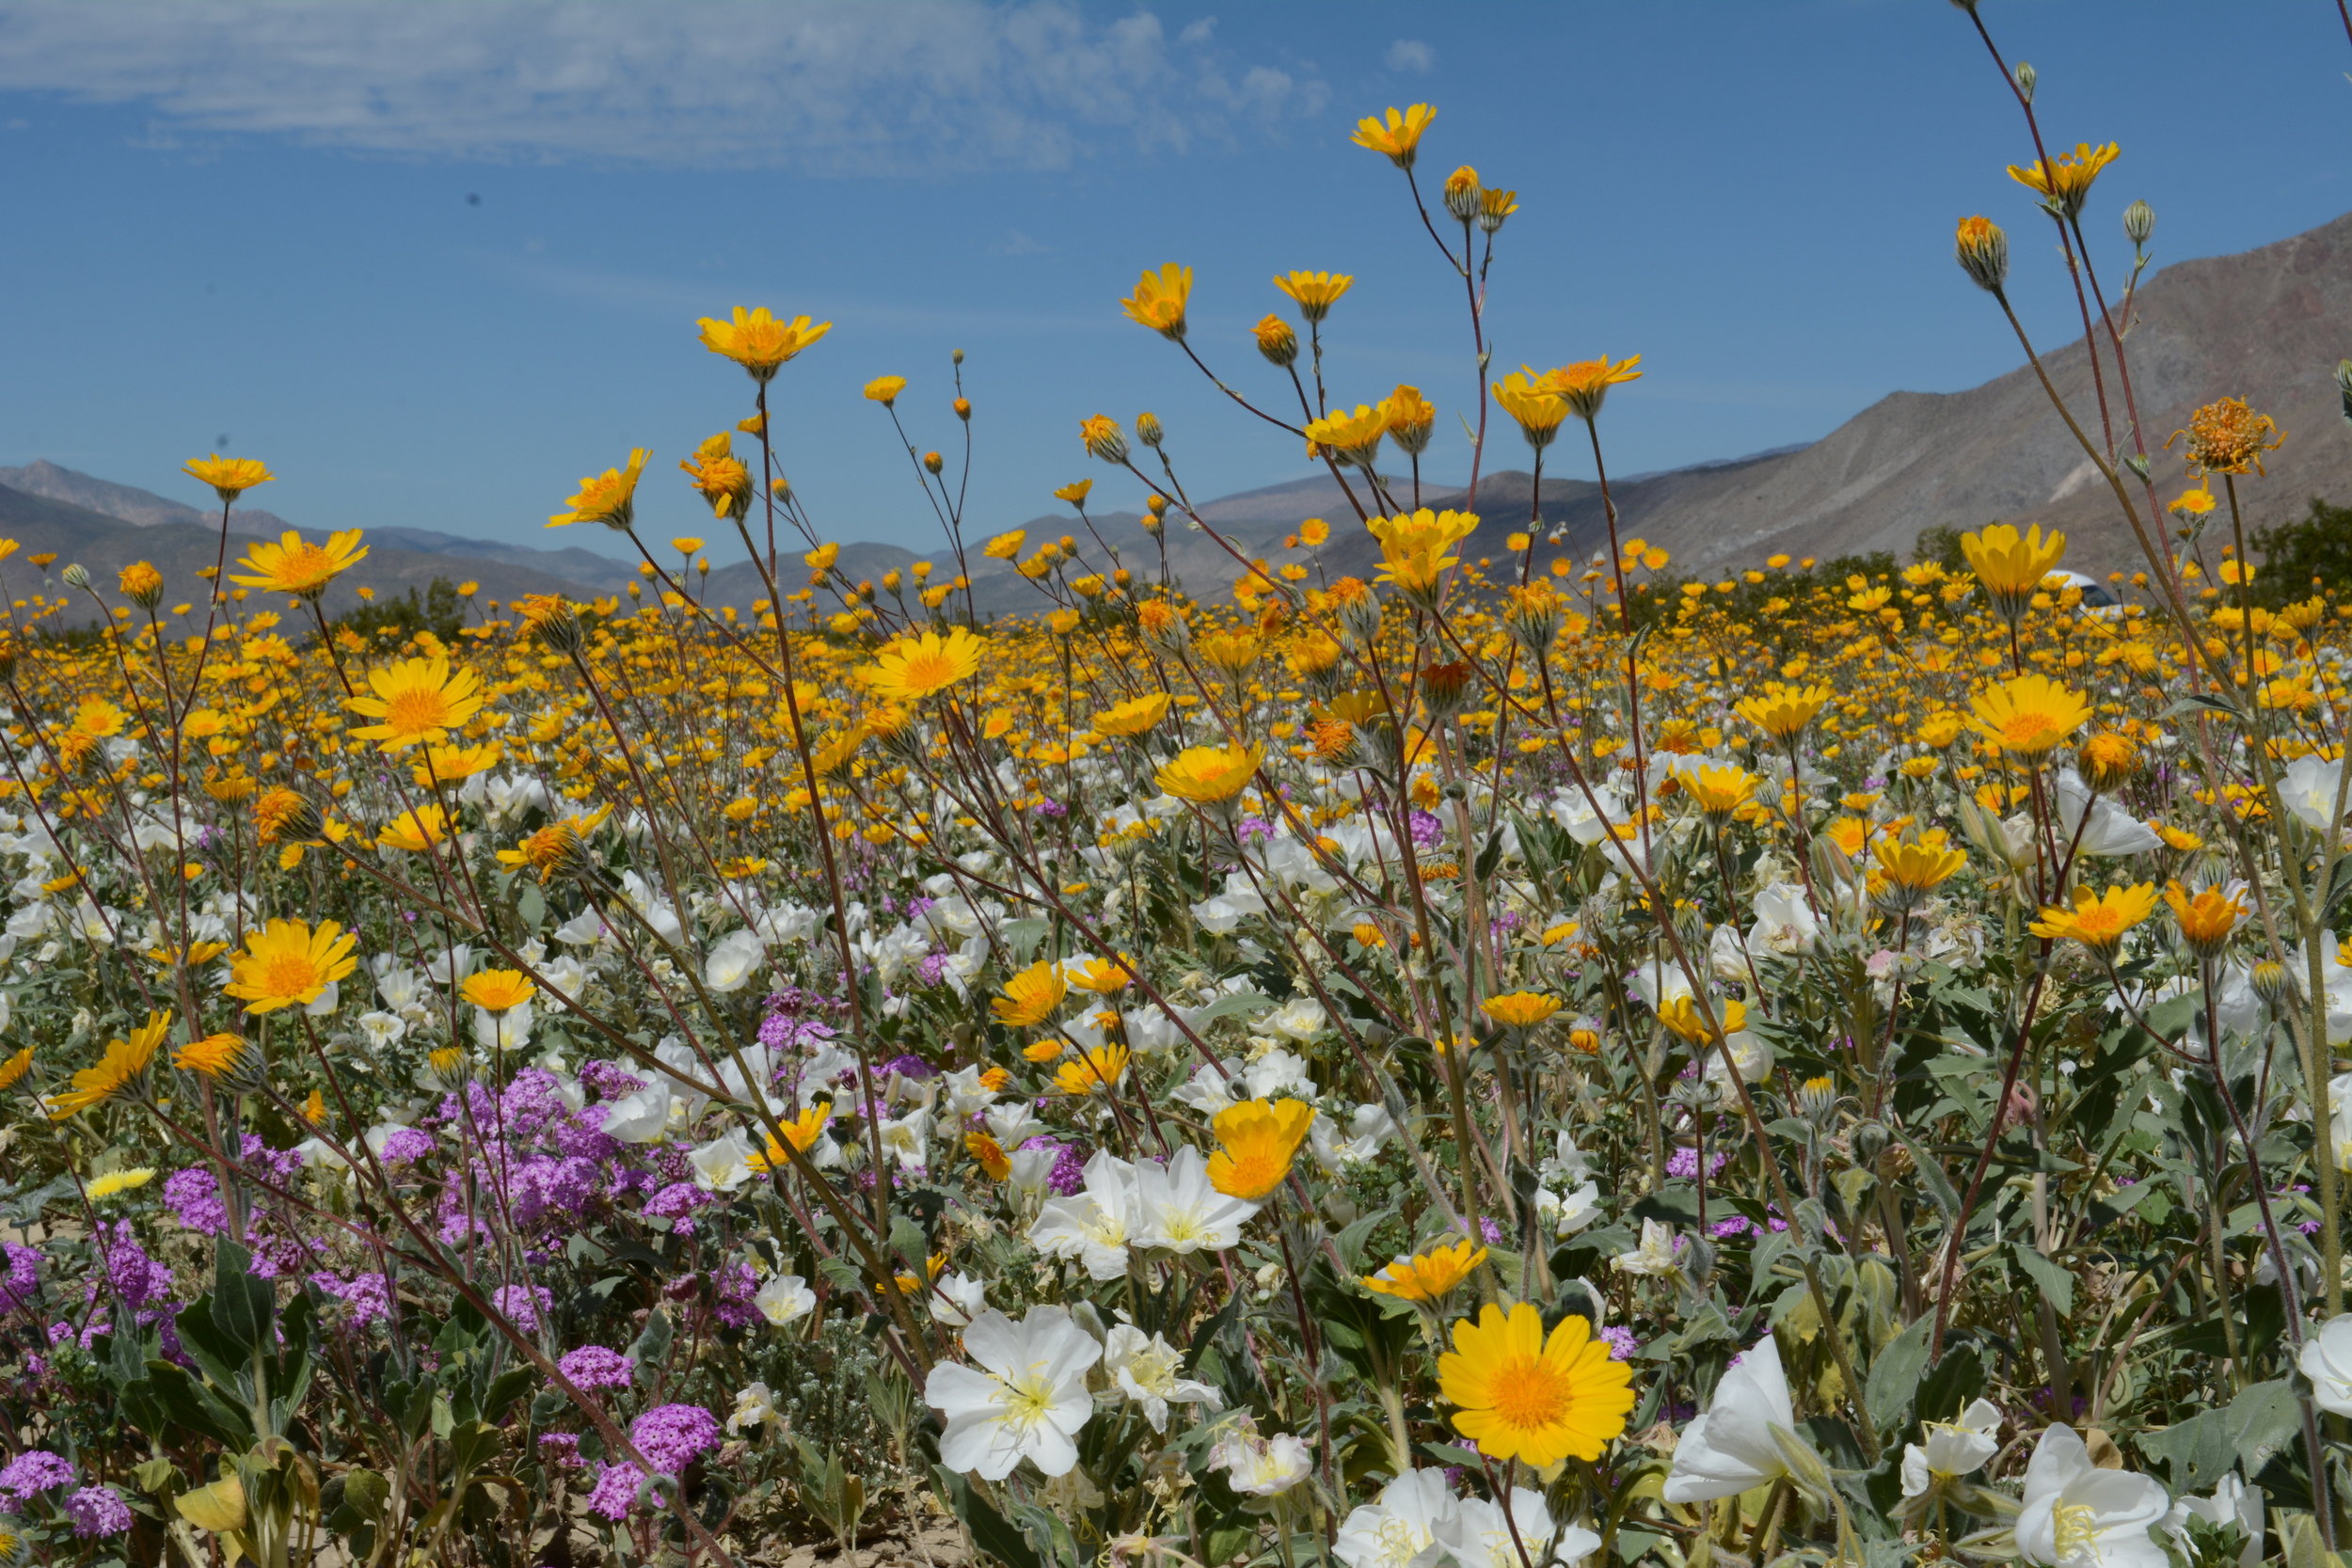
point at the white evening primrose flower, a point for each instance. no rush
(2327, 1358)
(2077, 1515)
(733, 961)
(957, 1299)
(1569, 1215)
(1026, 1398)
(1260, 1466)
(2232, 1502)
(1302, 1018)
(1095, 1224)
(1480, 1535)
(1178, 1209)
(723, 1163)
(1654, 1255)
(1145, 1367)
(785, 1298)
(1731, 1447)
(754, 1405)
(1396, 1529)
(1952, 1449)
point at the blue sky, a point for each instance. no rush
(433, 261)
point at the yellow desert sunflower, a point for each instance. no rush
(295, 565)
(417, 700)
(1133, 717)
(1585, 383)
(719, 477)
(1315, 291)
(289, 963)
(1397, 136)
(2029, 715)
(1520, 1010)
(1349, 438)
(1413, 546)
(1783, 711)
(1208, 774)
(498, 989)
(1159, 299)
(122, 1067)
(2207, 917)
(2010, 565)
(2098, 921)
(919, 667)
(1030, 996)
(212, 1057)
(2065, 182)
(13, 1070)
(1428, 1276)
(229, 477)
(1256, 1144)
(757, 340)
(1412, 420)
(608, 498)
(1521, 1395)
(1538, 412)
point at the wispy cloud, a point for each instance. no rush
(822, 87)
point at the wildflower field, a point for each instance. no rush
(1496, 1059)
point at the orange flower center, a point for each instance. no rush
(287, 974)
(1530, 1394)
(417, 710)
(305, 566)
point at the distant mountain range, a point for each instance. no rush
(2267, 324)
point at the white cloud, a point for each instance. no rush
(822, 87)
(1410, 54)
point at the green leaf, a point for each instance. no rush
(652, 1344)
(2195, 704)
(244, 1311)
(2262, 1421)
(1893, 1377)
(2055, 1281)
(989, 1532)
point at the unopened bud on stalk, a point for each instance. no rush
(932, 463)
(75, 575)
(1276, 341)
(2026, 79)
(1981, 249)
(1148, 429)
(2139, 221)
(2137, 463)
(1461, 193)
(956, 356)
(2275, 984)
(141, 583)
(963, 409)
(1360, 614)
(1868, 1141)
(1104, 438)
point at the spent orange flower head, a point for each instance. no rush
(2028, 716)
(2098, 921)
(229, 477)
(1398, 136)
(294, 566)
(1257, 1141)
(289, 963)
(2227, 437)
(1428, 1276)
(758, 341)
(1159, 299)
(1522, 1395)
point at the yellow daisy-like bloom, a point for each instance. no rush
(455, 764)
(2029, 715)
(294, 566)
(415, 831)
(1103, 977)
(212, 1057)
(1585, 384)
(1428, 1276)
(1030, 996)
(1075, 493)
(1520, 1010)
(1349, 437)
(1719, 791)
(2098, 921)
(1916, 867)
(920, 667)
(608, 498)
(557, 846)
(2108, 759)
(124, 1066)
(884, 389)
(1522, 1396)
(1159, 299)
(1256, 1144)
(1132, 717)
(1538, 412)
(288, 964)
(1315, 291)
(2207, 918)
(757, 340)
(1044, 1050)
(1097, 1070)
(2066, 183)
(2010, 564)
(1397, 136)
(990, 1153)
(1208, 774)
(283, 815)
(229, 477)
(801, 1133)
(1681, 1015)
(1414, 545)
(1783, 711)
(719, 477)
(104, 1187)
(13, 1070)
(1412, 420)
(498, 988)
(417, 700)
(1007, 545)
(141, 583)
